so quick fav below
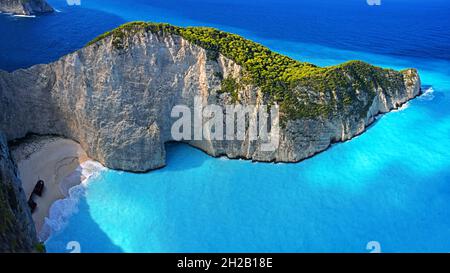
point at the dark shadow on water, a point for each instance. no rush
(84, 230)
(82, 227)
(181, 156)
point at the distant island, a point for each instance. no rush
(25, 7)
(115, 95)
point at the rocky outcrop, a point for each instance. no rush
(17, 232)
(25, 7)
(115, 99)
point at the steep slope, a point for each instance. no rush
(17, 233)
(25, 7)
(115, 95)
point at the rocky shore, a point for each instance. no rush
(114, 97)
(25, 7)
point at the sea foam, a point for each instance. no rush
(61, 210)
(428, 94)
(24, 16)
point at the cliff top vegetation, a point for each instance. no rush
(300, 88)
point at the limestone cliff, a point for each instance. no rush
(115, 96)
(17, 232)
(25, 7)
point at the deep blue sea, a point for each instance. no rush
(390, 185)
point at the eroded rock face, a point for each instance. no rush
(17, 232)
(116, 103)
(25, 7)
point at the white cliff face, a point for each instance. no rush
(25, 7)
(117, 103)
(304, 138)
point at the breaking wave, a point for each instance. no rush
(428, 94)
(61, 210)
(24, 16)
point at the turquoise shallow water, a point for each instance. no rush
(389, 185)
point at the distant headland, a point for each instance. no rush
(25, 7)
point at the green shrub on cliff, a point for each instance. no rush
(40, 248)
(10, 235)
(229, 85)
(302, 89)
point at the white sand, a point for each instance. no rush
(52, 159)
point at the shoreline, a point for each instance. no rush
(65, 168)
(55, 160)
(73, 188)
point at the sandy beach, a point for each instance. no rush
(52, 159)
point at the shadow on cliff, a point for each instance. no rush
(83, 229)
